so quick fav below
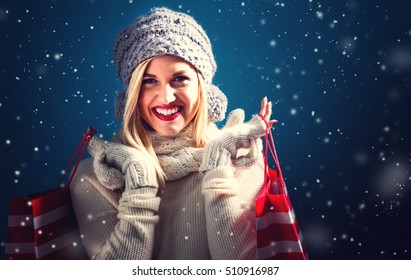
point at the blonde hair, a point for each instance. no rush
(134, 132)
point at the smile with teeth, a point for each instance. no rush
(167, 113)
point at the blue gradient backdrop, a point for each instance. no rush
(338, 73)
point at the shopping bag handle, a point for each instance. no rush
(270, 146)
(79, 152)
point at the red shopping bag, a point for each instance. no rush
(43, 225)
(278, 234)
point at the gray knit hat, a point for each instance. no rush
(166, 32)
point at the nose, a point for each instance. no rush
(166, 94)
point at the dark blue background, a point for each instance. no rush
(338, 73)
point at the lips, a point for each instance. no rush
(167, 113)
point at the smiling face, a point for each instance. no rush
(169, 94)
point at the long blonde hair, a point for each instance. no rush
(135, 133)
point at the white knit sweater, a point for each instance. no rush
(199, 216)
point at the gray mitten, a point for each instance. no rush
(223, 150)
(117, 165)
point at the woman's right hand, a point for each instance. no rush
(114, 162)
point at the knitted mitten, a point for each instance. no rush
(222, 151)
(117, 164)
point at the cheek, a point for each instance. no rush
(193, 96)
(142, 105)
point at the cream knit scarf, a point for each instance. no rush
(176, 154)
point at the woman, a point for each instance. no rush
(171, 185)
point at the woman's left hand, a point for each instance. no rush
(265, 111)
(237, 135)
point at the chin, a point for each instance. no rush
(169, 131)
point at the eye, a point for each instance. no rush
(180, 79)
(149, 81)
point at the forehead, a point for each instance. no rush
(168, 63)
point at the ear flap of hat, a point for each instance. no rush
(119, 105)
(217, 104)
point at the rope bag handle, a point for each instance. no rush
(77, 154)
(270, 146)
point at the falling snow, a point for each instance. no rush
(339, 84)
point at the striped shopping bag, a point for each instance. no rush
(43, 225)
(278, 234)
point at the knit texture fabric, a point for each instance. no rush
(117, 165)
(236, 135)
(166, 32)
(176, 154)
(208, 215)
(195, 217)
(161, 32)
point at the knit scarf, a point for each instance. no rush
(176, 154)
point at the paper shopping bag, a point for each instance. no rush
(43, 225)
(278, 234)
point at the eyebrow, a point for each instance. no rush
(179, 73)
(174, 75)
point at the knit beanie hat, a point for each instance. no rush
(166, 32)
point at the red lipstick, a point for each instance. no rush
(167, 113)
